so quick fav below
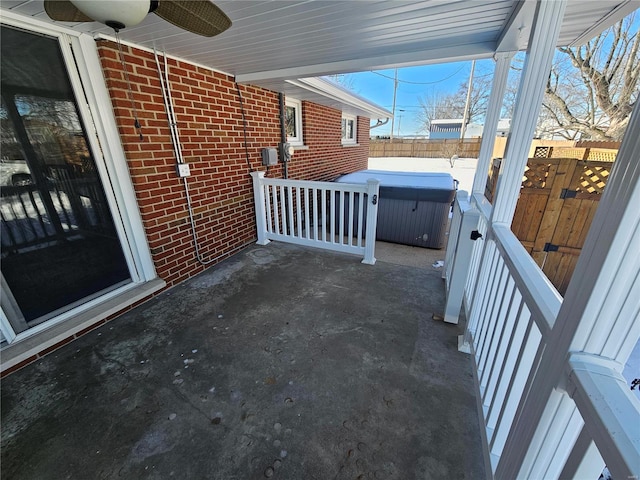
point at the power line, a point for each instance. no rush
(420, 83)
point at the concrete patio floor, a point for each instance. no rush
(282, 362)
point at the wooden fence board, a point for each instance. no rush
(529, 212)
(562, 175)
(425, 148)
(557, 204)
(565, 222)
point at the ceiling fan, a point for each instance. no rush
(197, 16)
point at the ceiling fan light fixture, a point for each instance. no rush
(117, 14)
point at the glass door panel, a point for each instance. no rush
(59, 242)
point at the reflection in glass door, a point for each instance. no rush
(59, 243)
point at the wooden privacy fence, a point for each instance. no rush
(425, 148)
(558, 200)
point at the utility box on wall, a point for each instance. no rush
(269, 157)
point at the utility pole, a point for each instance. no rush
(393, 109)
(465, 117)
(399, 120)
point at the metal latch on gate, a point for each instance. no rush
(475, 235)
(550, 247)
(567, 193)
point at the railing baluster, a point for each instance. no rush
(332, 212)
(360, 219)
(489, 293)
(41, 222)
(499, 345)
(323, 201)
(529, 351)
(298, 211)
(267, 196)
(341, 226)
(307, 225)
(290, 211)
(510, 365)
(276, 209)
(498, 325)
(283, 210)
(351, 219)
(315, 214)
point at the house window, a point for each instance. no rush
(349, 133)
(293, 121)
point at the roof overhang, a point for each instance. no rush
(326, 92)
(280, 44)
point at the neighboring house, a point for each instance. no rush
(452, 128)
(504, 124)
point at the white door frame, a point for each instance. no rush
(83, 66)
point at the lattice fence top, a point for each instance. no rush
(535, 175)
(568, 152)
(610, 145)
(602, 154)
(542, 152)
(591, 177)
(579, 153)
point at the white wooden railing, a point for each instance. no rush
(512, 309)
(334, 216)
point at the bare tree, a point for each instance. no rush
(592, 88)
(436, 105)
(345, 80)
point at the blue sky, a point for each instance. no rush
(416, 82)
(413, 83)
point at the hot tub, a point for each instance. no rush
(413, 207)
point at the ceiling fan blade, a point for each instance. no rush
(196, 16)
(64, 11)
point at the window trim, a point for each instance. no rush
(297, 105)
(354, 139)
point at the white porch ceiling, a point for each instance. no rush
(271, 42)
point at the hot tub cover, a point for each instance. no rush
(419, 186)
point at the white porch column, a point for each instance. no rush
(600, 318)
(500, 76)
(540, 50)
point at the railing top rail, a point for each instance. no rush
(595, 384)
(482, 204)
(345, 187)
(541, 297)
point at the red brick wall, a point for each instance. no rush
(211, 133)
(326, 158)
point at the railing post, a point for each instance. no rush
(454, 234)
(373, 187)
(461, 261)
(259, 202)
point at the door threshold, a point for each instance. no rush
(24, 351)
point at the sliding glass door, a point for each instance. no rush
(60, 247)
